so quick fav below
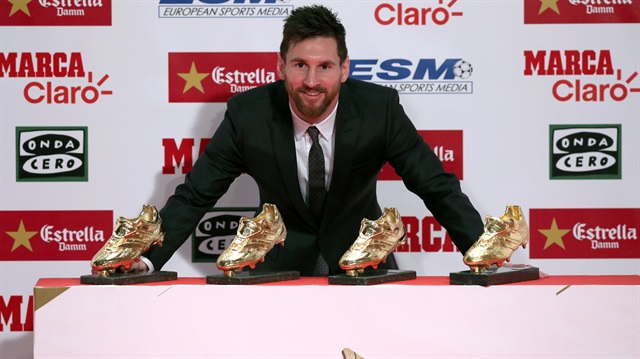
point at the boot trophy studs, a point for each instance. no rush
(254, 238)
(130, 238)
(501, 237)
(375, 241)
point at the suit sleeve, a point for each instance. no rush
(210, 178)
(423, 174)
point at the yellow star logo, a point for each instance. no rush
(549, 4)
(21, 237)
(19, 5)
(554, 235)
(193, 78)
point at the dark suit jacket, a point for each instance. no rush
(256, 137)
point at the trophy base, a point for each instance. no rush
(494, 276)
(376, 276)
(135, 277)
(247, 278)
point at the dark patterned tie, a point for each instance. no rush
(317, 191)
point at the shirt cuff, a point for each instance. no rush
(148, 263)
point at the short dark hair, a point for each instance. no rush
(313, 21)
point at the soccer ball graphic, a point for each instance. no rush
(462, 69)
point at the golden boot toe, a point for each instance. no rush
(501, 237)
(254, 238)
(130, 238)
(375, 241)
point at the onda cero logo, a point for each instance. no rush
(51, 154)
(216, 230)
(585, 151)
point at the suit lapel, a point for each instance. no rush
(348, 123)
(285, 151)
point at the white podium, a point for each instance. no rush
(559, 317)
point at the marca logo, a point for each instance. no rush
(572, 63)
(585, 151)
(581, 11)
(56, 65)
(223, 8)
(446, 144)
(55, 12)
(425, 235)
(584, 233)
(53, 235)
(51, 154)
(215, 77)
(215, 232)
(401, 14)
(181, 155)
(16, 313)
(422, 76)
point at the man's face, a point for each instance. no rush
(312, 73)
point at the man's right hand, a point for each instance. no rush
(136, 266)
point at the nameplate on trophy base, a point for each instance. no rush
(135, 277)
(495, 275)
(371, 277)
(253, 277)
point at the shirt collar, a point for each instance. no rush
(325, 127)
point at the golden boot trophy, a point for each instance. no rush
(350, 354)
(376, 240)
(501, 237)
(254, 238)
(129, 239)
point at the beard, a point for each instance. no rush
(311, 111)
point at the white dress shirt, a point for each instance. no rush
(303, 145)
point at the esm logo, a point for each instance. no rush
(224, 9)
(421, 76)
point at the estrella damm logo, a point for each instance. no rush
(55, 12)
(216, 76)
(581, 11)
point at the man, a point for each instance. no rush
(361, 126)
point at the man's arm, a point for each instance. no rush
(212, 174)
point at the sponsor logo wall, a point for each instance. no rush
(105, 106)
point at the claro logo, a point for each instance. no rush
(575, 69)
(401, 14)
(45, 68)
